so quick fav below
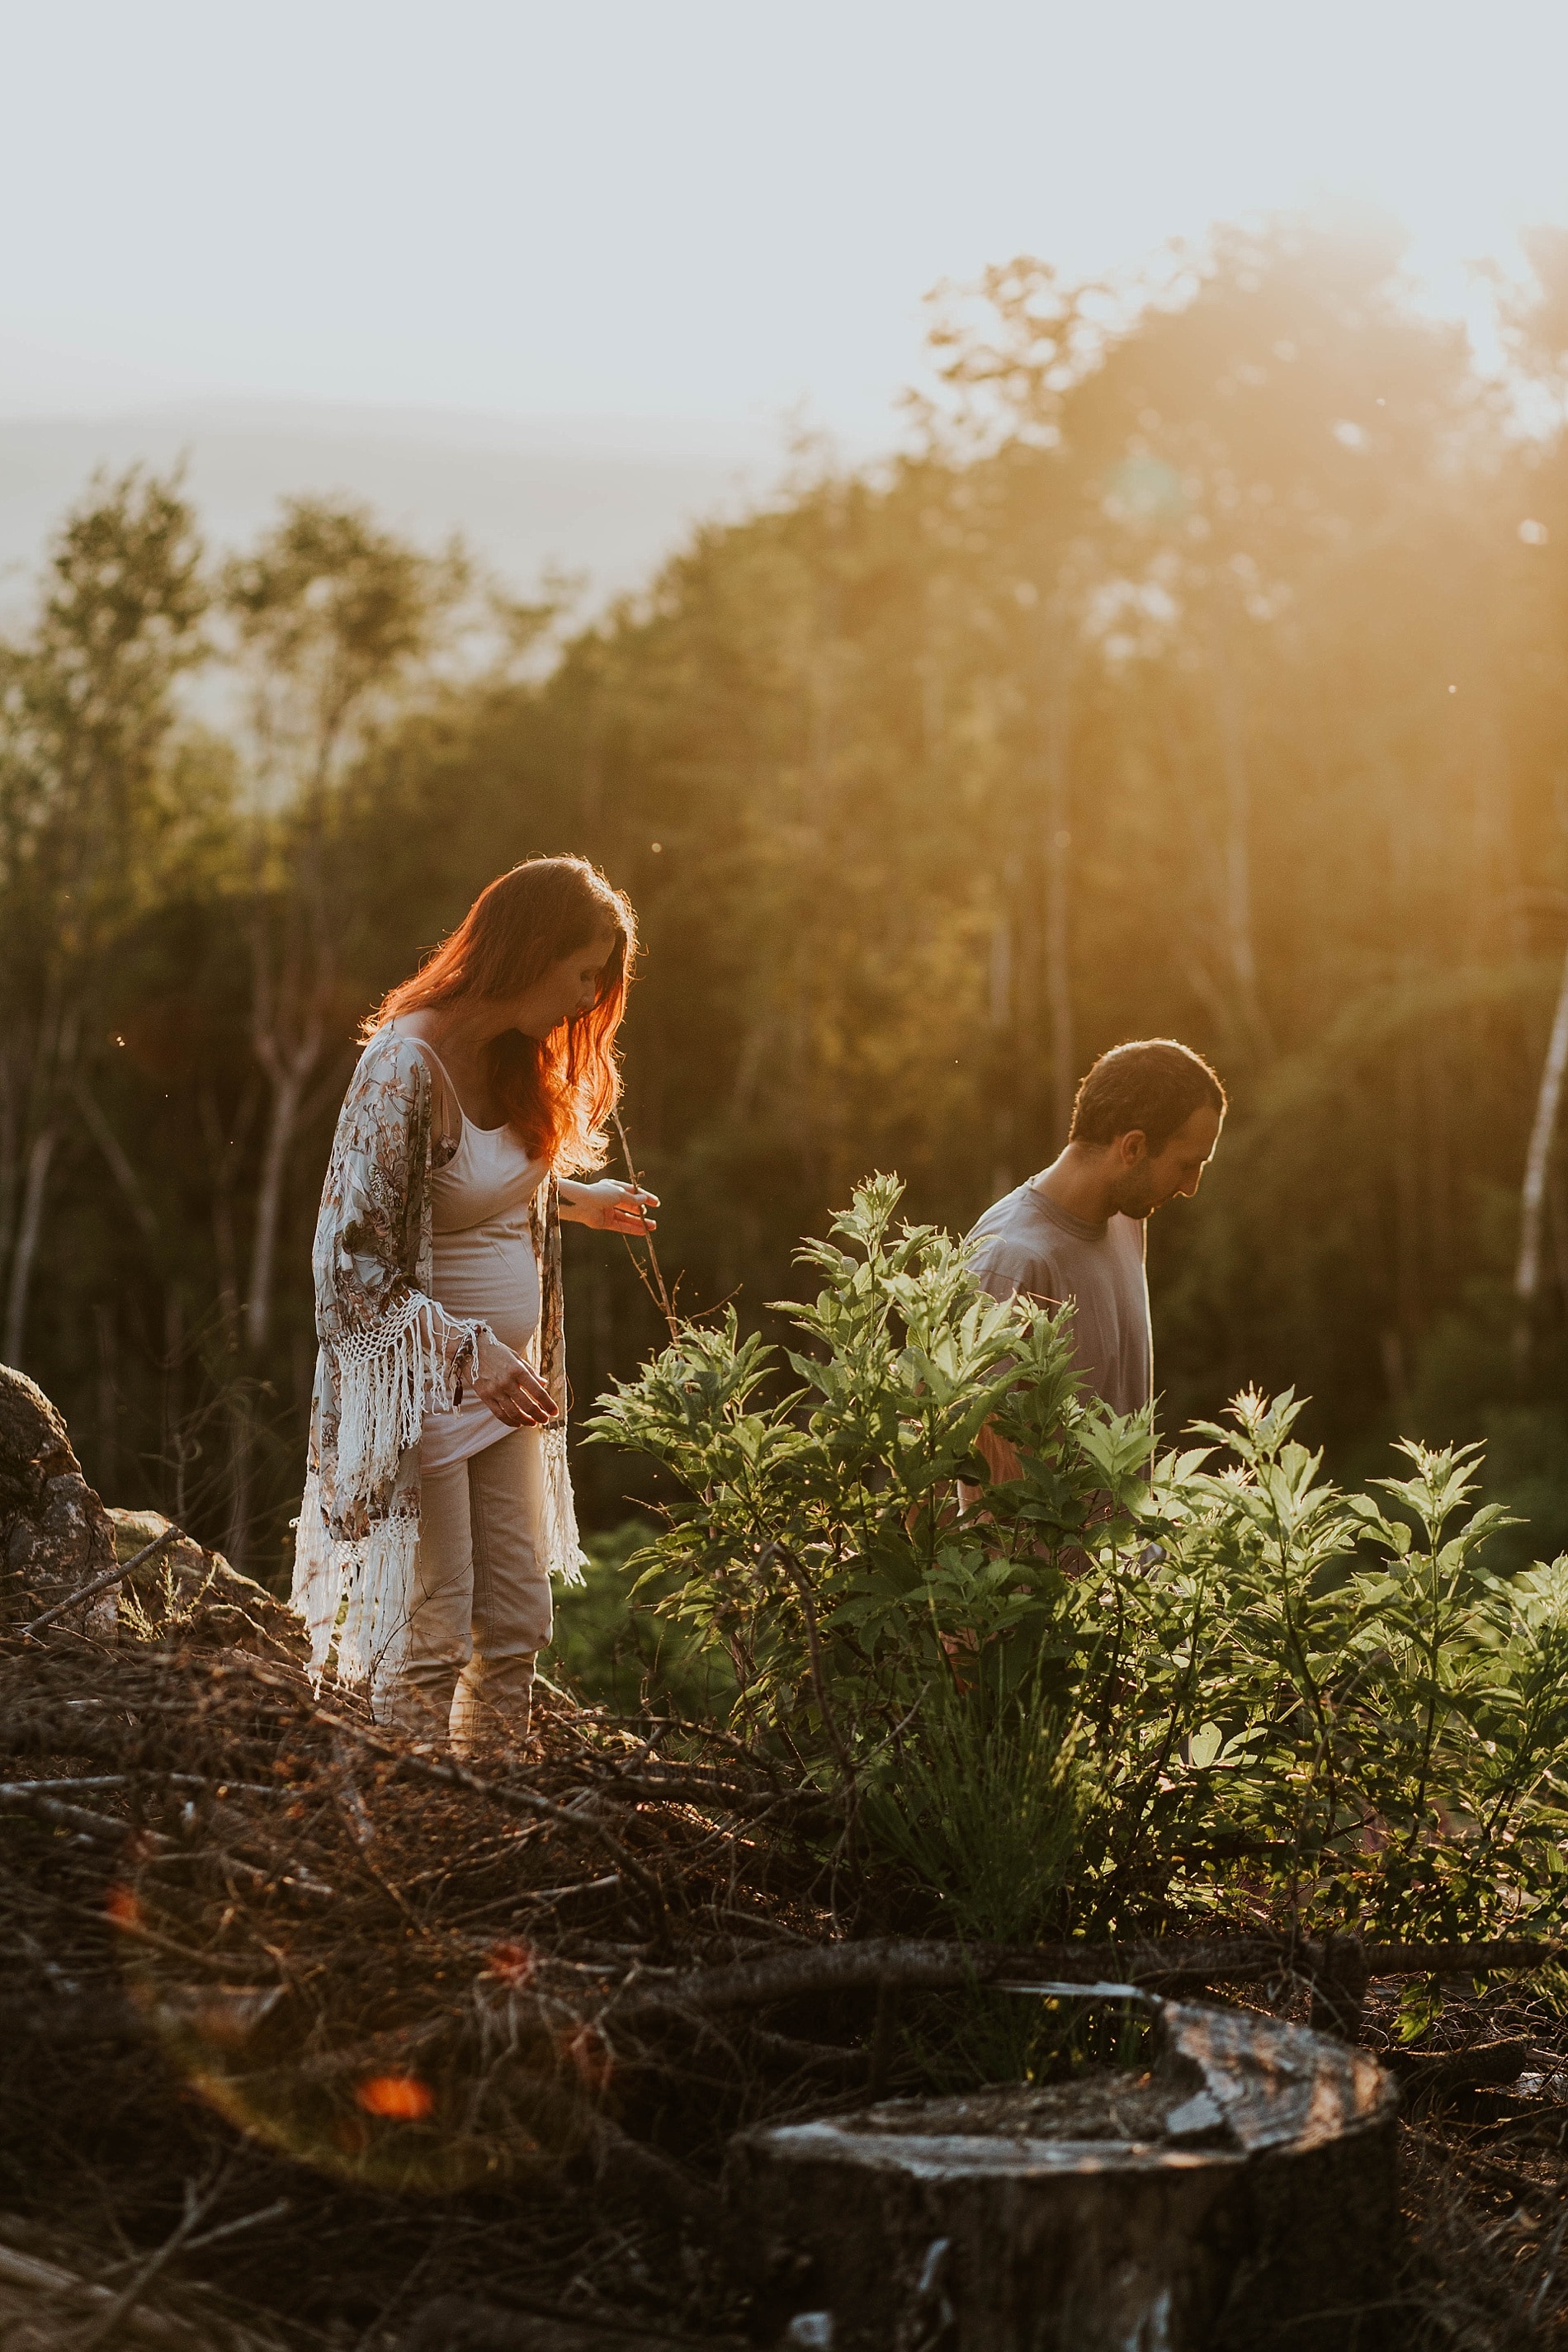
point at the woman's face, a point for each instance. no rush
(568, 989)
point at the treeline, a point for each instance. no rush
(1204, 674)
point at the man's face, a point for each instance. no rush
(1145, 1179)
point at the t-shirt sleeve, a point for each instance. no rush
(1003, 1268)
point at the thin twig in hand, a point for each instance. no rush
(651, 1275)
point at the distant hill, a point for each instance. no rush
(605, 497)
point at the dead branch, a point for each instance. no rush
(102, 1583)
(929, 1966)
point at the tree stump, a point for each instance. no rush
(1245, 2185)
(454, 2323)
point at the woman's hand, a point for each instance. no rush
(504, 1382)
(611, 1206)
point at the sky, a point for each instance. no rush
(709, 217)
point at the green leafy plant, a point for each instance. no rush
(984, 1806)
(629, 1659)
(1111, 1690)
(826, 1543)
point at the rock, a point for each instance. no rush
(34, 1445)
(184, 1568)
(1212, 2205)
(199, 1593)
(55, 1534)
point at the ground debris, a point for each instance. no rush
(428, 2035)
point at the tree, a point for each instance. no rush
(86, 708)
(331, 617)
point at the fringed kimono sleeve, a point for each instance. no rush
(560, 1546)
(389, 1354)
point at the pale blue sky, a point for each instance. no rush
(683, 210)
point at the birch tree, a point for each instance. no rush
(332, 617)
(86, 703)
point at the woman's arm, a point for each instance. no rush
(609, 1206)
(367, 1246)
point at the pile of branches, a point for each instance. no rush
(322, 2025)
(245, 1931)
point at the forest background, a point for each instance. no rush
(1200, 671)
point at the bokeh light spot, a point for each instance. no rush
(400, 2098)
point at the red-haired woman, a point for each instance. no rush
(438, 1502)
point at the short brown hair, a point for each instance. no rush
(1151, 1084)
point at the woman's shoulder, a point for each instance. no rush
(390, 1063)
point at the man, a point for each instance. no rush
(1144, 1126)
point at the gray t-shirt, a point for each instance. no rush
(1026, 1242)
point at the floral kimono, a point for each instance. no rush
(386, 1359)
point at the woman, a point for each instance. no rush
(438, 1502)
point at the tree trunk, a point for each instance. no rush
(179, 1449)
(107, 1466)
(1001, 994)
(119, 1165)
(1236, 893)
(29, 1230)
(236, 1540)
(54, 1061)
(10, 1155)
(222, 1165)
(289, 1074)
(288, 1033)
(1057, 852)
(1537, 1160)
(1262, 2161)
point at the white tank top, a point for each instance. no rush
(485, 1265)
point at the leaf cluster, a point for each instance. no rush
(1213, 1680)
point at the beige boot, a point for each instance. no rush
(493, 1707)
(417, 1703)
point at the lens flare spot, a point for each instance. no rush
(513, 1963)
(400, 2098)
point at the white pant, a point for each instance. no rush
(481, 1601)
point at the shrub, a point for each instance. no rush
(1217, 1681)
(625, 1657)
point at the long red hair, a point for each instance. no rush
(557, 1091)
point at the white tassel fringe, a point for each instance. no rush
(389, 1378)
(355, 1596)
(359, 1593)
(560, 1546)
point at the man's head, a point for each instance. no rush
(1153, 1109)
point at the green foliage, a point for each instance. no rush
(1121, 705)
(330, 613)
(983, 1802)
(824, 1518)
(1086, 1693)
(616, 1651)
